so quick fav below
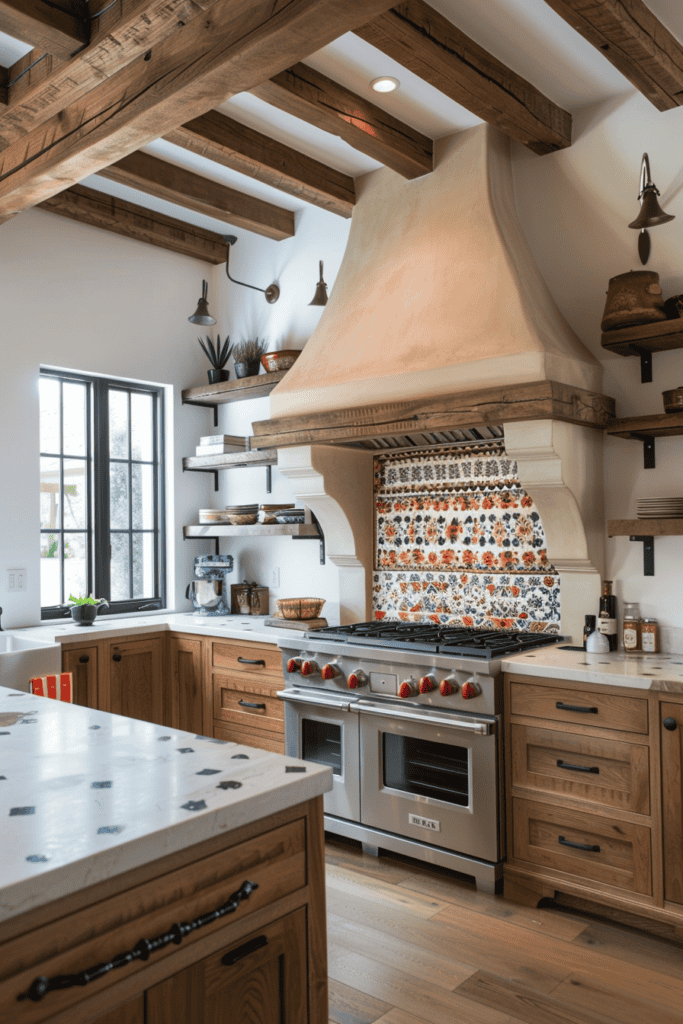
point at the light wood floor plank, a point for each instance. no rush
(352, 883)
(530, 1007)
(628, 998)
(351, 857)
(633, 947)
(349, 1006)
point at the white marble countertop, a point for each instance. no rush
(635, 671)
(86, 795)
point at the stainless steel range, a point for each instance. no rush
(409, 718)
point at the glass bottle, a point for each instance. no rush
(650, 636)
(607, 619)
(631, 627)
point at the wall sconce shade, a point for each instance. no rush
(272, 292)
(320, 297)
(651, 214)
(201, 315)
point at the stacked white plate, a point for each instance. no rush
(660, 508)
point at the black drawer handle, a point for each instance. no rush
(588, 847)
(669, 723)
(575, 707)
(251, 661)
(42, 985)
(84, 659)
(116, 657)
(249, 704)
(249, 947)
(578, 767)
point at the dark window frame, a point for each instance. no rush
(98, 462)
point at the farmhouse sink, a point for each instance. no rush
(21, 659)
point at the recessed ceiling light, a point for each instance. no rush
(385, 84)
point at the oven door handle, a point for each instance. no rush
(301, 698)
(482, 726)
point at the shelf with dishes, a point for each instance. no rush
(299, 525)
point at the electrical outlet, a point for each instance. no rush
(21, 579)
(275, 581)
(16, 579)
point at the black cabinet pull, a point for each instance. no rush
(249, 704)
(669, 723)
(578, 767)
(252, 661)
(40, 986)
(116, 657)
(588, 847)
(84, 659)
(575, 707)
(249, 947)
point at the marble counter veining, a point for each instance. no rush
(634, 671)
(86, 795)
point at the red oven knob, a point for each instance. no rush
(329, 671)
(406, 689)
(294, 665)
(470, 689)
(309, 668)
(427, 684)
(448, 686)
(356, 679)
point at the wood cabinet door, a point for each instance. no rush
(186, 685)
(83, 664)
(258, 980)
(671, 717)
(130, 1013)
(134, 679)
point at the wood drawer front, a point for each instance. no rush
(250, 737)
(624, 714)
(622, 780)
(624, 857)
(228, 692)
(256, 661)
(275, 860)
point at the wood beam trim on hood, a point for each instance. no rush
(430, 46)
(312, 97)
(234, 145)
(538, 400)
(632, 38)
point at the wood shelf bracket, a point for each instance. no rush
(648, 554)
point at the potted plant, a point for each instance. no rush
(247, 357)
(84, 609)
(218, 357)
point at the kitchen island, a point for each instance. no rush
(184, 873)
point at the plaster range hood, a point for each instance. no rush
(440, 328)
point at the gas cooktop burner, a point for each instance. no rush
(413, 636)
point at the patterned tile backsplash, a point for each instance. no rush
(459, 541)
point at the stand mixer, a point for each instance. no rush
(209, 590)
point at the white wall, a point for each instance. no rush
(575, 206)
(78, 298)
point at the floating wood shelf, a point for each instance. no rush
(645, 530)
(297, 531)
(646, 429)
(643, 341)
(213, 395)
(233, 460)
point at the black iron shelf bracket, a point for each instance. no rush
(648, 554)
(648, 449)
(320, 536)
(645, 366)
(204, 405)
(207, 469)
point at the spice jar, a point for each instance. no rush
(649, 636)
(630, 630)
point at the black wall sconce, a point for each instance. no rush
(201, 315)
(651, 213)
(320, 297)
(272, 292)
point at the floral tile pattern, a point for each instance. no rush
(459, 541)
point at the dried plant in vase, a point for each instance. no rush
(218, 357)
(247, 357)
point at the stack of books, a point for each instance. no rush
(221, 444)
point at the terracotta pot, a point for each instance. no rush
(633, 299)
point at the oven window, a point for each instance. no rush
(435, 770)
(322, 744)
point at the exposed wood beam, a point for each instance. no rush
(422, 40)
(102, 211)
(629, 35)
(239, 44)
(177, 185)
(56, 26)
(242, 149)
(314, 98)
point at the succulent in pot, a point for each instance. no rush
(218, 356)
(84, 609)
(247, 357)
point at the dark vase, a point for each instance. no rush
(248, 369)
(84, 614)
(218, 376)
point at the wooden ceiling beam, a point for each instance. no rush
(237, 45)
(234, 145)
(177, 185)
(101, 211)
(430, 46)
(56, 26)
(312, 97)
(632, 38)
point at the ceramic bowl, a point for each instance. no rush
(300, 607)
(280, 360)
(243, 520)
(673, 400)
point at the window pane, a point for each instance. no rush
(143, 497)
(75, 565)
(75, 430)
(118, 495)
(142, 434)
(75, 489)
(50, 569)
(143, 565)
(49, 494)
(120, 576)
(49, 415)
(118, 424)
